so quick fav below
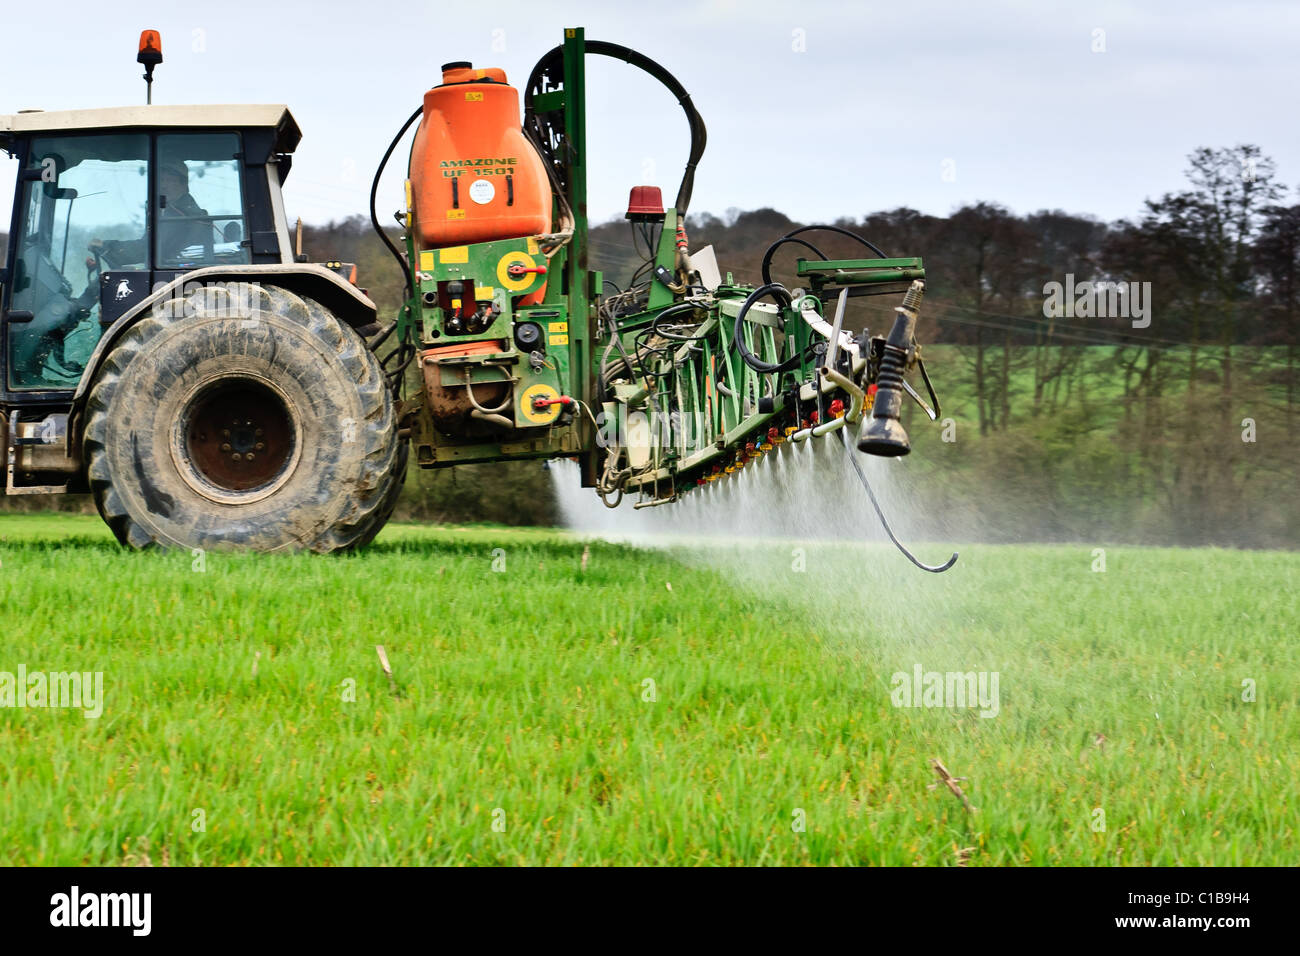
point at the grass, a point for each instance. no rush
(521, 698)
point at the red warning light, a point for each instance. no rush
(645, 204)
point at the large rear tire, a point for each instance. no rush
(262, 425)
(388, 502)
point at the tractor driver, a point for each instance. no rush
(182, 223)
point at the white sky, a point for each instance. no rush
(864, 119)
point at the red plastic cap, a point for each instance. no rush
(645, 204)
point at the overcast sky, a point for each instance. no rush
(818, 109)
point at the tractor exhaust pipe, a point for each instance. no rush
(883, 434)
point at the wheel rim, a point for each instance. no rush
(236, 440)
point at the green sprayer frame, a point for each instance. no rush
(656, 389)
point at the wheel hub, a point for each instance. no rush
(239, 435)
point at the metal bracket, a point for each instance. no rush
(12, 441)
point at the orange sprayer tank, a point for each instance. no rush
(474, 176)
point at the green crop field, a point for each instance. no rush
(683, 705)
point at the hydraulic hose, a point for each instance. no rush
(405, 351)
(374, 217)
(884, 522)
(553, 61)
(790, 237)
(778, 292)
(672, 310)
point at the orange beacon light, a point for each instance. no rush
(150, 55)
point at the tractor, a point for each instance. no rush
(167, 351)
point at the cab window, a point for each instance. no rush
(199, 201)
(81, 196)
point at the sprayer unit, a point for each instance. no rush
(674, 381)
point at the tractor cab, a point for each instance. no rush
(164, 349)
(112, 204)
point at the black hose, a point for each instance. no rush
(404, 348)
(862, 476)
(384, 333)
(640, 344)
(618, 343)
(374, 217)
(778, 292)
(673, 310)
(632, 369)
(771, 250)
(395, 376)
(645, 266)
(553, 61)
(790, 237)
